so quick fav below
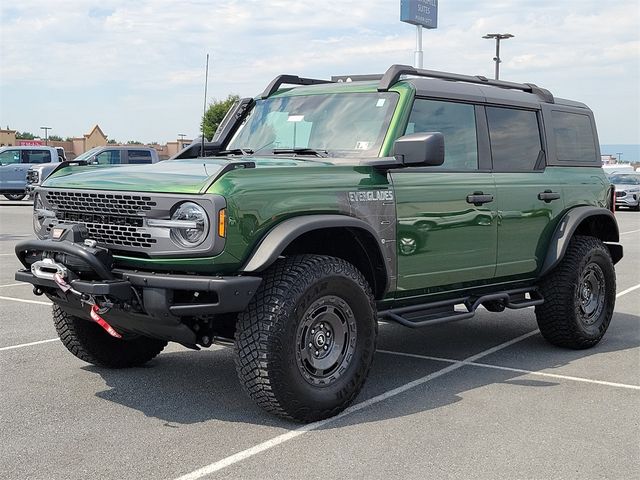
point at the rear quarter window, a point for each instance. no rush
(139, 156)
(574, 138)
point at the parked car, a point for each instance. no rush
(281, 240)
(15, 163)
(96, 156)
(627, 189)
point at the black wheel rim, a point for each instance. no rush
(591, 294)
(326, 340)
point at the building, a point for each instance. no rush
(95, 138)
(7, 137)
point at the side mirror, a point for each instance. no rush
(420, 149)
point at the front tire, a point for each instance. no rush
(15, 197)
(90, 343)
(305, 343)
(579, 295)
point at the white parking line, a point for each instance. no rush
(7, 254)
(22, 345)
(628, 290)
(250, 452)
(510, 369)
(632, 231)
(22, 300)
(21, 284)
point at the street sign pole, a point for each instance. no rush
(419, 53)
(421, 13)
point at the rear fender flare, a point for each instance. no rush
(568, 226)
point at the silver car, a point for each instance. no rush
(627, 189)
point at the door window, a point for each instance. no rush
(109, 157)
(10, 156)
(457, 122)
(515, 139)
(139, 156)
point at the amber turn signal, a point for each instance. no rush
(222, 223)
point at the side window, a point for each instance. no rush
(457, 122)
(36, 156)
(515, 139)
(10, 156)
(109, 157)
(139, 156)
(574, 137)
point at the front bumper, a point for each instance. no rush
(153, 304)
(628, 199)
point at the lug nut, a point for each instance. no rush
(321, 326)
(312, 332)
(310, 344)
(326, 348)
(328, 334)
(317, 353)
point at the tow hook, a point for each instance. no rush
(95, 316)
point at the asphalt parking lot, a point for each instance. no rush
(481, 398)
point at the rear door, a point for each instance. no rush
(110, 157)
(446, 240)
(529, 194)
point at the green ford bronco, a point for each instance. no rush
(318, 209)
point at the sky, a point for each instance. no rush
(136, 67)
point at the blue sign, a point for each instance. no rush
(419, 12)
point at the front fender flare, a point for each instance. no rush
(280, 236)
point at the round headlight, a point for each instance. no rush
(196, 225)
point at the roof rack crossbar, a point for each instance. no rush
(289, 80)
(392, 75)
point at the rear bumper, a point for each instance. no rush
(153, 304)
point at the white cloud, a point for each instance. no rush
(137, 68)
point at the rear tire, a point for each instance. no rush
(305, 343)
(579, 295)
(15, 197)
(90, 343)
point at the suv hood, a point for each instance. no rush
(170, 176)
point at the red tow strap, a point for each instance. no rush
(95, 316)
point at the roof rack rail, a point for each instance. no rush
(289, 80)
(356, 78)
(392, 75)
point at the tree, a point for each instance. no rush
(134, 142)
(112, 141)
(215, 113)
(25, 135)
(55, 138)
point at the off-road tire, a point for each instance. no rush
(15, 197)
(268, 345)
(561, 318)
(90, 343)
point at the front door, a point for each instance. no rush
(10, 170)
(447, 228)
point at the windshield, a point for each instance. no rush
(625, 179)
(86, 155)
(345, 125)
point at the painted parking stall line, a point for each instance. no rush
(22, 300)
(250, 452)
(30, 344)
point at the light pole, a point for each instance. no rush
(46, 134)
(619, 154)
(498, 37)
(181, 135)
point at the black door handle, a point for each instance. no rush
(478, 198)
(548, 196)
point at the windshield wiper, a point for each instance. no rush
(235, 151)
(301, 151)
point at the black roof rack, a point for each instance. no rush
(392, 75)
(289, 80)
(356, 78)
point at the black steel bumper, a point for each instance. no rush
(146, 302)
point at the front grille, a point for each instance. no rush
(33, 176)
(111, 229)
(115, 204)
(621, 194)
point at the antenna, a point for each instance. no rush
(204, 108)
